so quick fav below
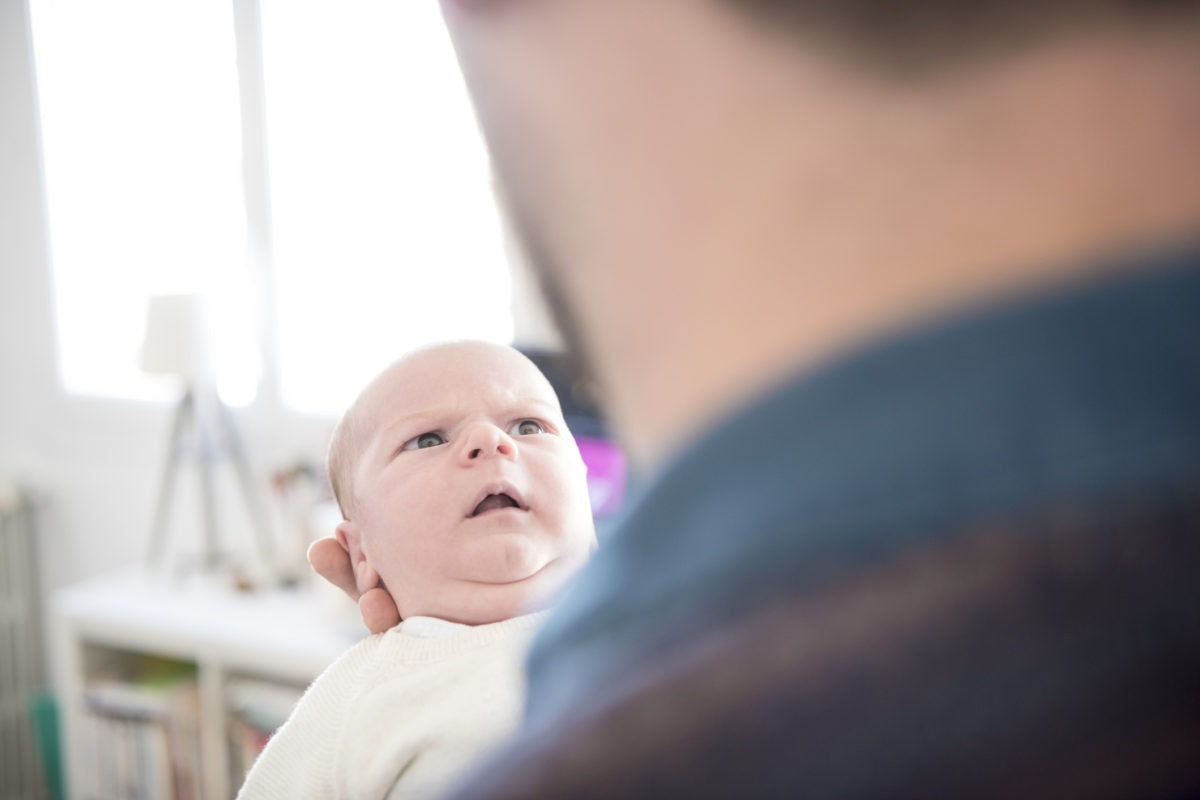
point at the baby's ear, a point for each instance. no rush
(350, 538)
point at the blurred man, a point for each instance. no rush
(897, 306)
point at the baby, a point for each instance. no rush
(464, 496)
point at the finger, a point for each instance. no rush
(378, 610)
(331, 561)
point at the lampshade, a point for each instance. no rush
(178, 337)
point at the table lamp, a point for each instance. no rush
(178, 342)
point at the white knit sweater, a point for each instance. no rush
(399, 715)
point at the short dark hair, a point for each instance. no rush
(928, 32)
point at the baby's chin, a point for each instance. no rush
(507, 559)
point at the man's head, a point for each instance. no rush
(719, 191)
(461, 486)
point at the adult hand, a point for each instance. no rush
(331, 561)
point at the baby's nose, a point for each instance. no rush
(485, 440)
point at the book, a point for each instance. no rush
(141, 731)
(256, 708)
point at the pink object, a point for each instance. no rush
(605, 474)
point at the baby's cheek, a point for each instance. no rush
(407, 566)
(423, 510)
(571, 492)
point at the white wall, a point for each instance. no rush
(97, 462)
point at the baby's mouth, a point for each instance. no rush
(497, 496)
(493, 502)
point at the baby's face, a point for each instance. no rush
(470, 497)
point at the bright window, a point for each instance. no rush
(384, 232)
(141, 138)
(385, 228)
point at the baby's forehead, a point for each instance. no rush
(459, 376)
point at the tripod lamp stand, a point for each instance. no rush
(203, 435)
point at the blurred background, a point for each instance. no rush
(289, 194)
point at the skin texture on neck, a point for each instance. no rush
(720, 206)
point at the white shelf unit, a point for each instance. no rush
(284, 636)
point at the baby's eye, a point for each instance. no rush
(428, 439)
(526, 427)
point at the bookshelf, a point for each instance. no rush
(168, 688)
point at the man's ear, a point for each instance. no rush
(350, 538)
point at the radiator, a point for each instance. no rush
(23, 679)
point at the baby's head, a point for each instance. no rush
(460, 485)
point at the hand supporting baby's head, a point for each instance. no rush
(461, 486)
